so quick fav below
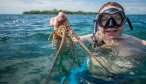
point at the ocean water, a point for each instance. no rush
(25, 52)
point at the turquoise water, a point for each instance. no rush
(25, 52)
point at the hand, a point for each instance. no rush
(58, 20)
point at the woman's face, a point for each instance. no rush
(111, 33)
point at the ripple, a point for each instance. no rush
(26, 53)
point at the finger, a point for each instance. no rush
(56, 22)
(51, 22)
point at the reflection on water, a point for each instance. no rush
(24, 71)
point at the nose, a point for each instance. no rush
(111, 23)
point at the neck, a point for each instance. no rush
(111, 41)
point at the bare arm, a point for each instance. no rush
(143, 42)
(87, 37)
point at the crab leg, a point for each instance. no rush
(56, 57)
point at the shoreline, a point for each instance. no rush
(55, 11)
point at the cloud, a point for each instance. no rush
(18, 6)
(134, 7)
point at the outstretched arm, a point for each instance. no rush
(55, 22)
(87, 38)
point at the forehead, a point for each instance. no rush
(109, 6)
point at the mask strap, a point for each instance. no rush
(94, 33)
(130, 25)
(95, 30)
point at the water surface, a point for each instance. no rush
(25, 52)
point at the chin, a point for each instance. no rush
(113, 35)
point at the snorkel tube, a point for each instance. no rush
(96, 42)
(95, 25)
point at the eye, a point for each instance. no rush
(104, 19)
(118, 18)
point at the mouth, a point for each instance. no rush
(111, 33)
(111, 30)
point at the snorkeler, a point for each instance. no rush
(109, 26)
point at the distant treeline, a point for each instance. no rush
(55, 11)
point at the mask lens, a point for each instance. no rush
(118, 17)
(103, 19)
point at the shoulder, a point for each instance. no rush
(129, 37)
(134, 39)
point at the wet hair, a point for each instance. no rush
(112, 4)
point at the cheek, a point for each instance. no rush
(102, 30)
(119, 32)
(121, 29)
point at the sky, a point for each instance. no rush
(19, 6)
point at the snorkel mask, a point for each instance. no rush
(111, 18)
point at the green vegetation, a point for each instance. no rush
(55, 11)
